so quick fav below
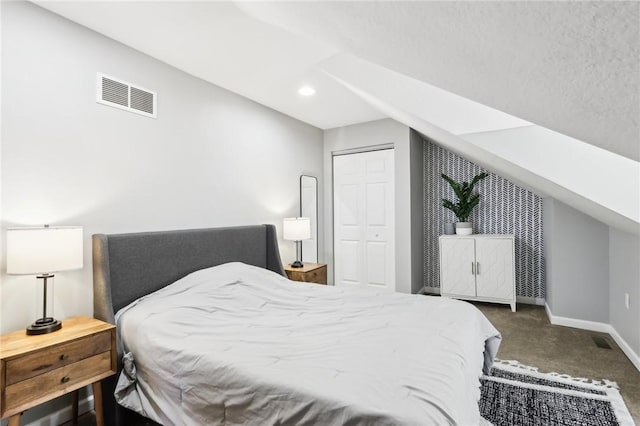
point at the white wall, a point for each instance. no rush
(624, 277)
(365, 135)
(212, 158)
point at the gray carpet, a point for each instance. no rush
(528, 337)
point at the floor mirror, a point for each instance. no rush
(309, 208)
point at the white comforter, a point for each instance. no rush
(236, 344)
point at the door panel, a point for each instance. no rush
(495, 274)
(349, 204)
(457, 266)
(364, 212)
(376, 200)
(376, 165)
(376, 273)
(349, 265)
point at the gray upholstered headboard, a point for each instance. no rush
(129, 266)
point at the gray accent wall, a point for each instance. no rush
(549, 241)
(624, 277)
(590, 267)
(417, 211)
(577, 263)
(505, 208)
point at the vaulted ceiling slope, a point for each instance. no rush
(573, 67)
(544, 93)
(598, 182)
(219, 43)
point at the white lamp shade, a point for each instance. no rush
(296, 228)
(44, 249)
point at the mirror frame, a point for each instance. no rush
(314, 221)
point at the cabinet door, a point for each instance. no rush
(494, 268)
(456, 271)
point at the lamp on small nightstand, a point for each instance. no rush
(297, 229)
(43, 250)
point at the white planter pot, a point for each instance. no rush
(464, 228)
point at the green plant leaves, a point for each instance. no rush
(467, 200)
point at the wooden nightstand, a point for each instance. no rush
(309, 273)
(35, 369)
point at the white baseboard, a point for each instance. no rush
(600, 327)
(64, 414)
(633, 357)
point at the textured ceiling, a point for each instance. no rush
(573, 67)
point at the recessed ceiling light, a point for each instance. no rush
(306, 91)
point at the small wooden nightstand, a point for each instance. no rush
(309, 273)
(35, 369)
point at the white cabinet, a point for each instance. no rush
(478, 267)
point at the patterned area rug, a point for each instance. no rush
(515, 394)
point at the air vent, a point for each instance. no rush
(120, 94)
(601, 342)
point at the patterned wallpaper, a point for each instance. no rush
(504, 209)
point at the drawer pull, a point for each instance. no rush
(64, 357)
(65, 379)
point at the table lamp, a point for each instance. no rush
(297, 229)
(42, 251)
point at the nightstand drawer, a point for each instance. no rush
(318, 276)
(59, 381)
(37, 368)
(43, 361)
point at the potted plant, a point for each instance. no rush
(467, 201)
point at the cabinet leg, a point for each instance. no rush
(513, 307)
(97, 403)
(74, 407)
(15, 420)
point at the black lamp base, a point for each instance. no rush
(297, 264)
(44, 326)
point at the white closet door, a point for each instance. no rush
(363, 206)
(457, 272)
(494, 268)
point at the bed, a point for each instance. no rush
(211, 332)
